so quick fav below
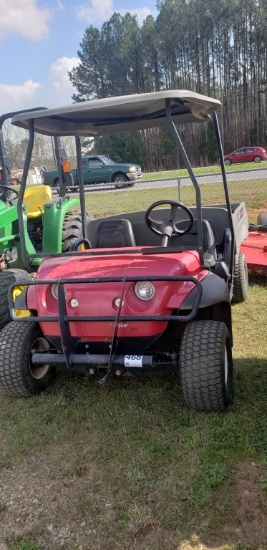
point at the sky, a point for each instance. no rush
(39, 41)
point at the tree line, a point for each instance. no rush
(213, 47)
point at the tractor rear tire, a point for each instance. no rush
(7, 277)
(240, 290)
(72, 229)
(18, 376)
(206, 366)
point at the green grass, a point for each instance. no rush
(22, 545)
(161, 463)
(152, 474)
(252, 192)
(203, 170)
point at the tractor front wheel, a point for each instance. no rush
(18, 375)
(7, 277)
(206, 366)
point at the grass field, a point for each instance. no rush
(204, 170)
(128, 465)
(252, 192)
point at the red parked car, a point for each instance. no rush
(246, 154)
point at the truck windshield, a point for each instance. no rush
(107, 160)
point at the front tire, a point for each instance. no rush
(119, 180)
(7, 277)
(206, 366)
(18, 376)
(240, 290)
(227, 162)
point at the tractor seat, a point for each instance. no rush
(35, 198)
(114, 234)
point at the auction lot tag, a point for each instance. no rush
(133, 361)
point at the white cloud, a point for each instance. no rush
(95, 11)
(141, 13)
(59, 73)
(18, 96)
(24, 18)
(33, 94)
(60, 5)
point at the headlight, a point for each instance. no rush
(144, 290)
(132, 169)
(54, 291)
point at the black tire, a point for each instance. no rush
(240, 290)
(262, 219)
(257, 158)
(206, 366)
(227, 162)
(18, 376)
(72, 230)
(7, 277)
(119, 180)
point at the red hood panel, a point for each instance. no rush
(115, 265)
(98, 299)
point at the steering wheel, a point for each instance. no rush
(80, 242)
(4, 196)
(168, 228)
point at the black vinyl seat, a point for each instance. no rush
(190, 239)
(114, 234)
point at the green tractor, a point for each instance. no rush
(50, 225)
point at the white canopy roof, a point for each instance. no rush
(120, 114)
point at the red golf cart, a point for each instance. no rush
(142, 292)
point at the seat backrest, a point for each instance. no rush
(35, 198)
(190, 239)
(113, 234)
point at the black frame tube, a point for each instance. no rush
(25, 258)
(5, 160)
(226, 191)
(81, 185)
(111, 318)
(188, 166)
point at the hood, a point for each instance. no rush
(99, 298)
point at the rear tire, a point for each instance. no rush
(206, 366)
(257, 158)
(262, 219)
(240, 290)
(72, 230)
(18, 376)
(7, 277)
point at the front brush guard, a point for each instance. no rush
(112, 360)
